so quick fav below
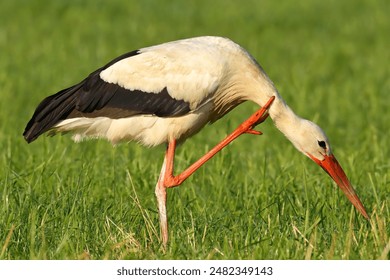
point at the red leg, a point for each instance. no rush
(168, 180)
(246, 127)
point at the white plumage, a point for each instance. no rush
(209, 73)
(166, 93)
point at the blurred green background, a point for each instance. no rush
(259, 199)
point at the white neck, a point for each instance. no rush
(283, 117)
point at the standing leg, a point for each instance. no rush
(161, 194)
(161, 189)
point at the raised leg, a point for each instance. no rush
(168, 180)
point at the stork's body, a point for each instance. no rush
(167, 93)
(160, 93)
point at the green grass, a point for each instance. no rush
(259, 198)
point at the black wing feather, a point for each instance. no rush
(94, 97)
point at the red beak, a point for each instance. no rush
(333, 168)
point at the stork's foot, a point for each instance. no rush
(263, 115)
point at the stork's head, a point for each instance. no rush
(310, 139)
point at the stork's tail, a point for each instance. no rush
(50, 111)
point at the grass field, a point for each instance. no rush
(259, 198)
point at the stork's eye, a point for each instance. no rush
(322, 144)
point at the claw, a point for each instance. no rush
(262, 119)
(255, 132)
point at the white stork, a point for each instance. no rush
(167, 93)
